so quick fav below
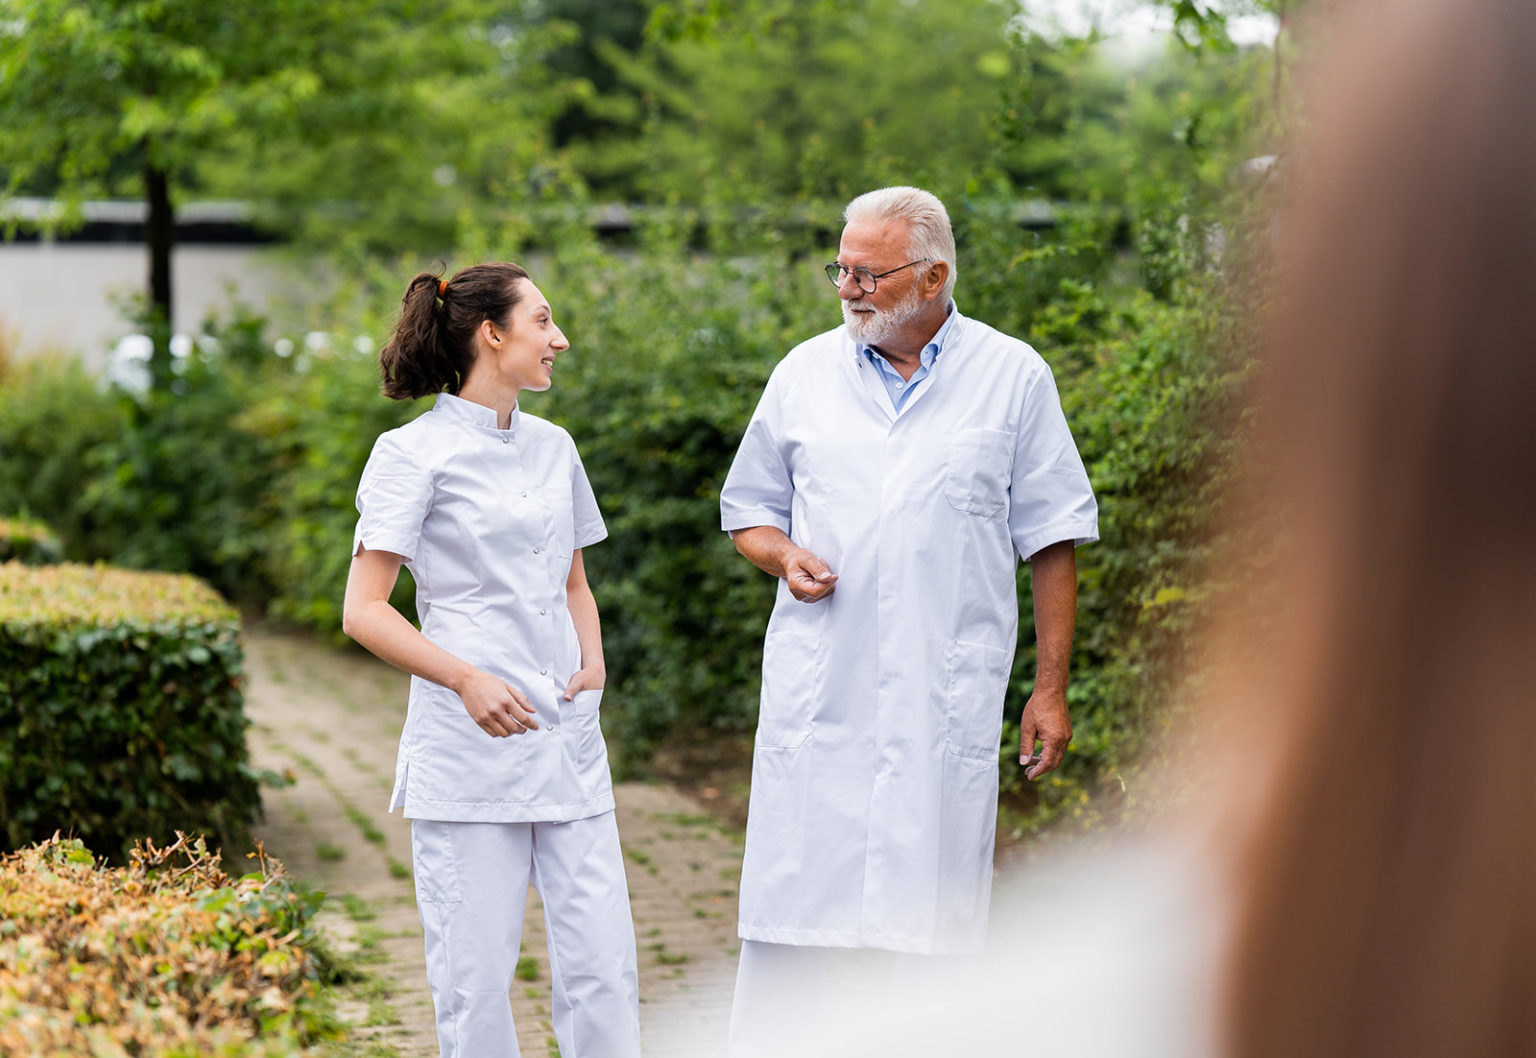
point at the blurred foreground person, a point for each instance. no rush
(1361, 882)
(1386, 878)
(502, 770)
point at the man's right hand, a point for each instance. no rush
(810, 579)
(770, 550)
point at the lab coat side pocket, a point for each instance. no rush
(791, 680)
(976, 679)
(978, 467)
(435, 865)
(587, 753)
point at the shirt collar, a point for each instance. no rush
(930, 351)
(467, 411)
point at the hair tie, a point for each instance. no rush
(442, 288)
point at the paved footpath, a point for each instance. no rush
(330, 719)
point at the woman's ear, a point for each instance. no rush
(489, 333)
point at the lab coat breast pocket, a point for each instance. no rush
(976, 679)
(977, 469)
(791, 678)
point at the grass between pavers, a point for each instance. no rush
(360, 819)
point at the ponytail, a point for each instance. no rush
(433, 344)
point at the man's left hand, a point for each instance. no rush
(1046, 719)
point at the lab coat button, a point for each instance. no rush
(535, 551)
(543, 612)
(543, 672)
(506, 440)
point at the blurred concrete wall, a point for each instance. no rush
(68, 295)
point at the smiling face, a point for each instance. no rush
(522, 352)
(898, 299)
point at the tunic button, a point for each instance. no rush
(535, 551)
(543, 612)
(543, 672)
(506, 440)
(525, 495)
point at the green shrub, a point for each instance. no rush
(1153, 393)
(186, 486)
(325, 428)
(167, 957)
(179, 481)
(667, 363)
(120, 708)
(53, 417)
(32, 543)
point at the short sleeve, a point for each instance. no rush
(758, 490)
(1050, 498)
(585, 516)
(393, 499)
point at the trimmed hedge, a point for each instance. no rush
(30, 542)
(165, 958)
(120, 709)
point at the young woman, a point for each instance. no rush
(502, 768)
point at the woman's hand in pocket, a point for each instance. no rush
(590, 678)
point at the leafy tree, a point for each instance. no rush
(753, 105)
(354, 103)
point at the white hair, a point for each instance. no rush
(929, 236)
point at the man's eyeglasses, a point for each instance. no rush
(863, 276)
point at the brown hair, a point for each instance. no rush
(433, 344)
(1386, 882)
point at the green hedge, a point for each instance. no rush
(32, 543)
(120, 708)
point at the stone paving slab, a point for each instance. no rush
(330, 719)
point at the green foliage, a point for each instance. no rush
(326, 426)
(1153, 393)
(32, 543)
(181, 487)
(120, 708)
(668, 361)
(749, 124)
(763, 104)
(166, 957)
(52, 415)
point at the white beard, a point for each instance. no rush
(882, 325)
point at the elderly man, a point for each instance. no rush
(894, 468)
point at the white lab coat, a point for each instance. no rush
(487, 521)
(874, 781)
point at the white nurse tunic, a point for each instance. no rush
(874, 782)
(487, 521)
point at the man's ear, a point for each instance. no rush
(934, 279)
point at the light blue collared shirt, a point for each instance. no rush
(901, 388)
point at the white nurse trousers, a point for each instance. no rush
(471, 885)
